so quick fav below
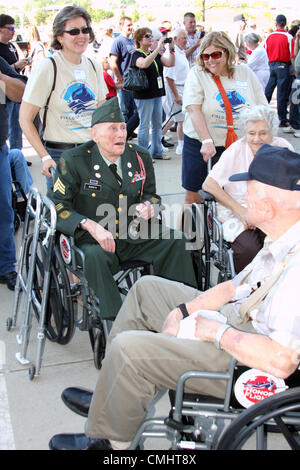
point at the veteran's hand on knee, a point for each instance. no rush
(172, 322)
(101, 235)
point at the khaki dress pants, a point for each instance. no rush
(140, 360)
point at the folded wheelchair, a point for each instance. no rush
(51, 285)
(257, 408)
(212, 255)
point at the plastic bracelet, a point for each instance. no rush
(220, 333)
(206, 141)
(45, 158)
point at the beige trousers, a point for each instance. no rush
(139, 360)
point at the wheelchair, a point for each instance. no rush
(19, 206)
(198, 422)
(50, 275)
(211, 254)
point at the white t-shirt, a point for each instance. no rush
(258, 62)
(242, 90)
(78, 90)
(236, 159)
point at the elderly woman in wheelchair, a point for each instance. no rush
(253, 318)
(259, 125)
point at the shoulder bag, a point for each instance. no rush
(135, 79)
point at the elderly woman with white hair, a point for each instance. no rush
(260, 125)
(258, 59)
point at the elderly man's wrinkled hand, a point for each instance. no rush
(172, 322)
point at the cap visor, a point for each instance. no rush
(240, 177)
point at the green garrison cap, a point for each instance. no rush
(109, 112)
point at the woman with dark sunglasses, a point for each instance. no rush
(207, 115)
(149, 101)
(79, 88)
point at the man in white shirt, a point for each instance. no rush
(193, 37)
(144, 352)
(174, 83)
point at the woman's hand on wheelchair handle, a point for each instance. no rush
(208, 150)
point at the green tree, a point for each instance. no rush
(40, 17)
(135, 16)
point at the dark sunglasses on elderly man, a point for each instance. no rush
(213, 55)
(148, 35)
(76, 31)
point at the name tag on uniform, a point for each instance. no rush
(160, 82)
(94, 187)
(79, 74)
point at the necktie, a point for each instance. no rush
(113, 168)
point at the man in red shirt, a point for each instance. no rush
(279, 46)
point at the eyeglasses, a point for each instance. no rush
(213, 55)
(148, 36)
(11, 28)
(76, 31)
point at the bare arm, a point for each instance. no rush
(26, 117)
(208, 150)
(190, 50)
(115, 68)
(253, 350)
(14, 88)
(173, 88)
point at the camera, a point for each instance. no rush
(168, 40)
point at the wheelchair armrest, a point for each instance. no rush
(206, 196)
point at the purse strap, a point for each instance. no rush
(231, 135)
(154, 61)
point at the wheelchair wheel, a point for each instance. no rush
(281, 412)
(60, 325)
(195, 228)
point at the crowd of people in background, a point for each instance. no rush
(171, 55)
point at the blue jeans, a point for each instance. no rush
(281, 77)
(150, 113)
(19, 170)
(129, 110)
(7, 243)
(15, 131)
(295, 104)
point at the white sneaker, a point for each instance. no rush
(164, 156)
(179, 149)
(288, 130)
(297, 134)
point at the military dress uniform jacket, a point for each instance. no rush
(85, 187)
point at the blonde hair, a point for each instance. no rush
(221, 40)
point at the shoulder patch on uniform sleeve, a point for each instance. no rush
(59, 186)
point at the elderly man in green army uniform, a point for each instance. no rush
(100, 187)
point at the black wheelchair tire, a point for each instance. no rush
(275, 407)
(60, 325)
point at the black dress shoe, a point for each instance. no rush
(166, 144)
(77, 399)
(77, 442)
(9, 279)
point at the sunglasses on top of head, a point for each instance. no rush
(213, 55)
(76, 31)
(11, 28)
(148, 35)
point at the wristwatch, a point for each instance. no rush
(183, 309)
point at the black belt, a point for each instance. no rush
(60, 145)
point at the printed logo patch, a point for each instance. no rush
(255, 385)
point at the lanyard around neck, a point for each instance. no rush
(156, 66)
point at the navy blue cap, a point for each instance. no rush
(276, 166)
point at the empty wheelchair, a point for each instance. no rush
(198, 422)
(212, 255)
(54, 289)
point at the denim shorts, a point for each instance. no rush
(194, 168)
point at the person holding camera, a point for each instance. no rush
(149, 101)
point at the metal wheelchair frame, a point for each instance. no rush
(43, 278)
(204, 423)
